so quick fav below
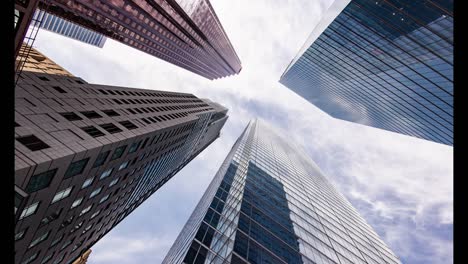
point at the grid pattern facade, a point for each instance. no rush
(69, 29)
(269, 203)
(386, 64)
(34, 61)
(194, 40)
(87, 155)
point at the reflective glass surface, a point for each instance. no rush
(386, 64)
(269, 203)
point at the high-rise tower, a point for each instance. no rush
(68, 29)
(185, 33)
(269, 203)
(87, 155)
(384, 63)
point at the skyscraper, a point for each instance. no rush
(87, 155)
(24, 10)
(270, 203)
(185, 33)
(385, 63)
(69, 29)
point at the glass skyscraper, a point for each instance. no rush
(384, 63)
(69, 29)
(269, 203)
(185, 33)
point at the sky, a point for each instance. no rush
(402, 186)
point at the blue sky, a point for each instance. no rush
(401, 185)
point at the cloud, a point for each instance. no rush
(122, 249)
(401, 185)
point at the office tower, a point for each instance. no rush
(87, 155)
(69, 29)
(385, 63)
(270, 203)
(185, 33)
(24, 10)
(33, 61)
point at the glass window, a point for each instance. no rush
(39, 239)
(20, 234)
(32, 142)
(87, 182)
(76, 168)
(46, 259)
(123, 165)
(91, 114)
(62, 194)
(101, 158)
(103, 199)
(29, 210)
(118, 152)
(31, 258)
(76, 202)
(95, 192)
(95, 214)
(113, 182)
(106, 173)
(70, 116)
(134, 147)
(84, 211)
(40, 181)
(58, 239)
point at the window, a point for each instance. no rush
(43, 78)
(57, 260)
(66, 244)
(31, 258)
(129, 125)
(84, 211)
(91, 114)
(103, 199)
(51, 217)
(76, 168)
(113, 182)
(95, 214)
(123, 165)
(29, 210)
(118, 152)
(76, 202)
(95, 192)
(39, 239)
(111, 128)
(87, 182)
(20, 234)
(101, 158)
(110, 112)
(134, 147)
(92, 131)
(32, 142)
(58, 89)
(106, 173)
(46, 259)
(62, 194)
(70, 116)
(40, 181)
(67, 222)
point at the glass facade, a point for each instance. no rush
(69, 29)
(188, 35)
(269, 203)
(386, 64)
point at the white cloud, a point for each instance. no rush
(122, 249)
(401, 185)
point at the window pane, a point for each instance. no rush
(40, 181)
